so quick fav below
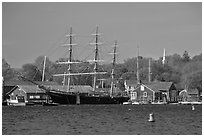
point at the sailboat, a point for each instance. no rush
(94, 97)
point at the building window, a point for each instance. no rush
(133, 95)
(142, 88)
(145, 94)
(37, 97)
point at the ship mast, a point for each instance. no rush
(43, 75)
(150, 73)
(70, 59)
(95, 58)
(69, 62)
(113, 67)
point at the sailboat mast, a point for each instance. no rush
(70, 59)
(95, 58)
(43, 75)
(138, 77)
(113, 67)
(150, 73)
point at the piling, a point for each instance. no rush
(193, 108)
(151, 117)
(77, 99)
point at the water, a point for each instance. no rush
(102, 120)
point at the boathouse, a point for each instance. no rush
(25, 91)
(191, 95)
(31, 94)
(154, 92)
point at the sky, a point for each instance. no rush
(30, 30)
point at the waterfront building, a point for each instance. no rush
(29, 93)
(151, 92)
(191, 95)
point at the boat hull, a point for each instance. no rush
(102, 100)
(63, 98)
(15, 103)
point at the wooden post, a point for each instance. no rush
(77, 99)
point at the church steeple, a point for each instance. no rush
(164, 57)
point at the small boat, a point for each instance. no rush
(15, 102)
(127, 103)
(190, 103)
(131, 103)
(196, 103)
(185, 103)
(136, 103)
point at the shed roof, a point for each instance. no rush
(31, 89)
(78, 88)
(19, 82)
(108, 90)
(35, 89)
(159, 86)
(131, 82)
(193, 91)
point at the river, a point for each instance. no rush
(102, 120)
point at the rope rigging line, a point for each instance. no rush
(35, 73)
(100, 53)
(54, 45)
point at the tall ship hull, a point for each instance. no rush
(102, 100)
(62, 98)
(66, 98)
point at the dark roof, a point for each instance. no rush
(193, 91)
(31, 89)
(78, 88)
(18, 82)
(131, 82)
(9, 89)
(108, 90)
(35, 89)
(159, 86)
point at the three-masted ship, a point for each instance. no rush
(94, 97)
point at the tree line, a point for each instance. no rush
(184, 71)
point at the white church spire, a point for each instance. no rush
(164, 57)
